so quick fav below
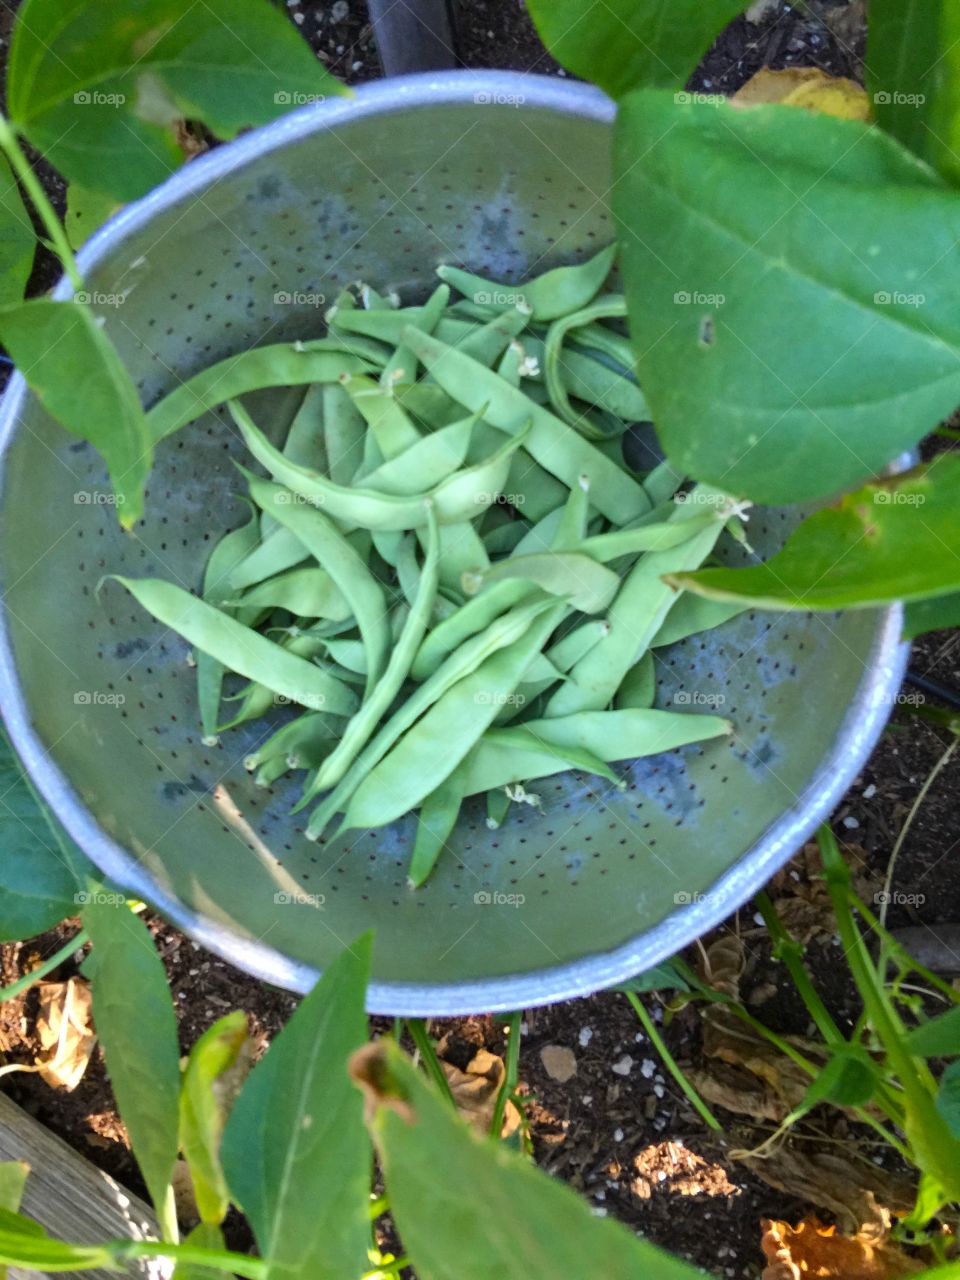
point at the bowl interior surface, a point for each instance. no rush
(382, 190)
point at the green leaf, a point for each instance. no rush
(24, 1243)
(135, 1022)
(948, 1098)
(205, 1098)
(13, 1178)
(936, 614)
(18, 240)
(848, 1079)
(37, 883)
(87, 211)
(888, 541)
(627, 44)
(663, 977)
(98, 87)
(467, 1207)
(294, 1150)
(938, 1038)
(911, 68)
(794, 331)
(75, 371)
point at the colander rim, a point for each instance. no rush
(862, 724)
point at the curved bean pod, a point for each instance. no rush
(362, 593)
(554, 294)
(282, 365)
(555, 445)
(455, 499)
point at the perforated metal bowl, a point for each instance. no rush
(100, 699)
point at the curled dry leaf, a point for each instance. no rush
(722, 964)
(65, 1032)
(860, 1196)
(368, 1068)
(812, 1249)
(475, 1091)
(803, 903)
(806, 87)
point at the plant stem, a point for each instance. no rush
(510, 1077)
(240, 1264)
(935, 1151)
(35, 975)
(38, 197)
(788, 951)
(418, 1033)
(658, 1042)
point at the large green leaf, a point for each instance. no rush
(98, 86)
(204, 1105)
(467, 1207)
(795, 323)
(134, 1018)
(937, 1038)
(626, 44)
(931, 615)
(87, 211)
(17, 239)
(948, 1098)
(75, 371)
(294, 1150)
(911, 68)
(892, 540)
(37, 882)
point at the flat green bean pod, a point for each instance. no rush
(383, 414)
(240, 649)
(502, 633)
(225, 556)
(555, 445)
(435, 745)
(454, 500)
(635, 616)
(691, 614)
(362, 725)
(425, 464)
(438, 817)
(555, 293)
(588, 585)
(362, 593)
(403, 365)
(279, 550)
(308, 593)
(282, 365)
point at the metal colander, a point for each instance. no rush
(505, 174)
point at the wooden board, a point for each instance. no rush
(72, 1199)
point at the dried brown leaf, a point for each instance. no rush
(812, 1249)
(722, 964)
(862, 1197)
(476, 1088)
(65, 1031)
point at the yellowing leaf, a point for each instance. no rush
(807, 87)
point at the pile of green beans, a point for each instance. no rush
(449, 570)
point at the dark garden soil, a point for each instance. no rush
(617, 1129)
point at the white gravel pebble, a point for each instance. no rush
(869, 792)
(623, 1067)
(618, 1135)
(339, 11)
(586, 1035)
(647, 1068)
(850, 822)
